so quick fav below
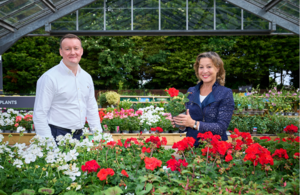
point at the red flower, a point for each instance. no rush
(296, 155)
(234, 135)
(228, 158)
(153, 129)
(120, 143)
(265, 137)
(281, 153)
(103, 173)
(111, 143)
(256, 153)
(159, 129)
(152, 163)
(172, 92)
(144, 149)
(164, 141)
(291, 129)
(124, 173)
(174, 165)
(90, 166)
(297, 139)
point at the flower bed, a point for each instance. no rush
(143, 166)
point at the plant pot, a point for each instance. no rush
(135, 131)
(8, 131)
(178, 125)
(125, 131)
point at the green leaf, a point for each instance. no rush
(2, 192)
(113, 191)
(46, 191)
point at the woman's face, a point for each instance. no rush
(207, 71)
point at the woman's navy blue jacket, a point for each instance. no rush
(214, 113)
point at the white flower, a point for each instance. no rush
(1, 137)
(18, 163)
(20, 129)
(72, 171)
(73, 130)
(72, 155)
(1, 167)
(29, 158)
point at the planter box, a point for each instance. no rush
(171, 137)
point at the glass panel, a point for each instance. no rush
(253, 22)
(145, 4)
(3, 31)
(91, 19)
(26, 13)
(281, 30)
(287, 8)
(118, 19)
(67, 22)
(145, 19)
(118, 4)
(173, 14)
(14, 5)
(145, 14)
(39, 31)
(228, 16)
(201, 15)
(57, 2)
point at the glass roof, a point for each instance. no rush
(287, 9)
(150, 15)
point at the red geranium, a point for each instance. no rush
(111, 143)
(120, 143)
(185, 144)
(159, 129)
(90, 166)
(174, 165)
(256, 153)
(291, 129)
(103, 173)
(152, 163)
(144, 149)
(296, 155)
(228, 158)
(172, 92)
(265, 137)
(281, 153)
(164, 141)
(123, 172)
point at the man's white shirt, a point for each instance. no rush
(65, 100)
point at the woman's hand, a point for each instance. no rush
(184, 120)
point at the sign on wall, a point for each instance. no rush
(17, 102)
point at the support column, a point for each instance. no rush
(1, 76)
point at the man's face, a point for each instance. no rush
(71, 51)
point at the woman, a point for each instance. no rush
(210, 105)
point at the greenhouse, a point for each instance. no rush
(139, 115)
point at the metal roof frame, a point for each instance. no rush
(271, 4)
(262, 13)
(8, 40)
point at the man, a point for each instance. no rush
(65, 95)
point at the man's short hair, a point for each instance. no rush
(69, 36)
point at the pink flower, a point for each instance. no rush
(267, 95)
(18, 118)
(17, 124)
(118, 128)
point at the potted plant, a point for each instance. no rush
(176, 104)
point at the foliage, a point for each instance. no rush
(140, 166)
(155, 59)
(176, 105)
(112, 97)
(268, 124)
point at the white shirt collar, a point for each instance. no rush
(66, 69)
